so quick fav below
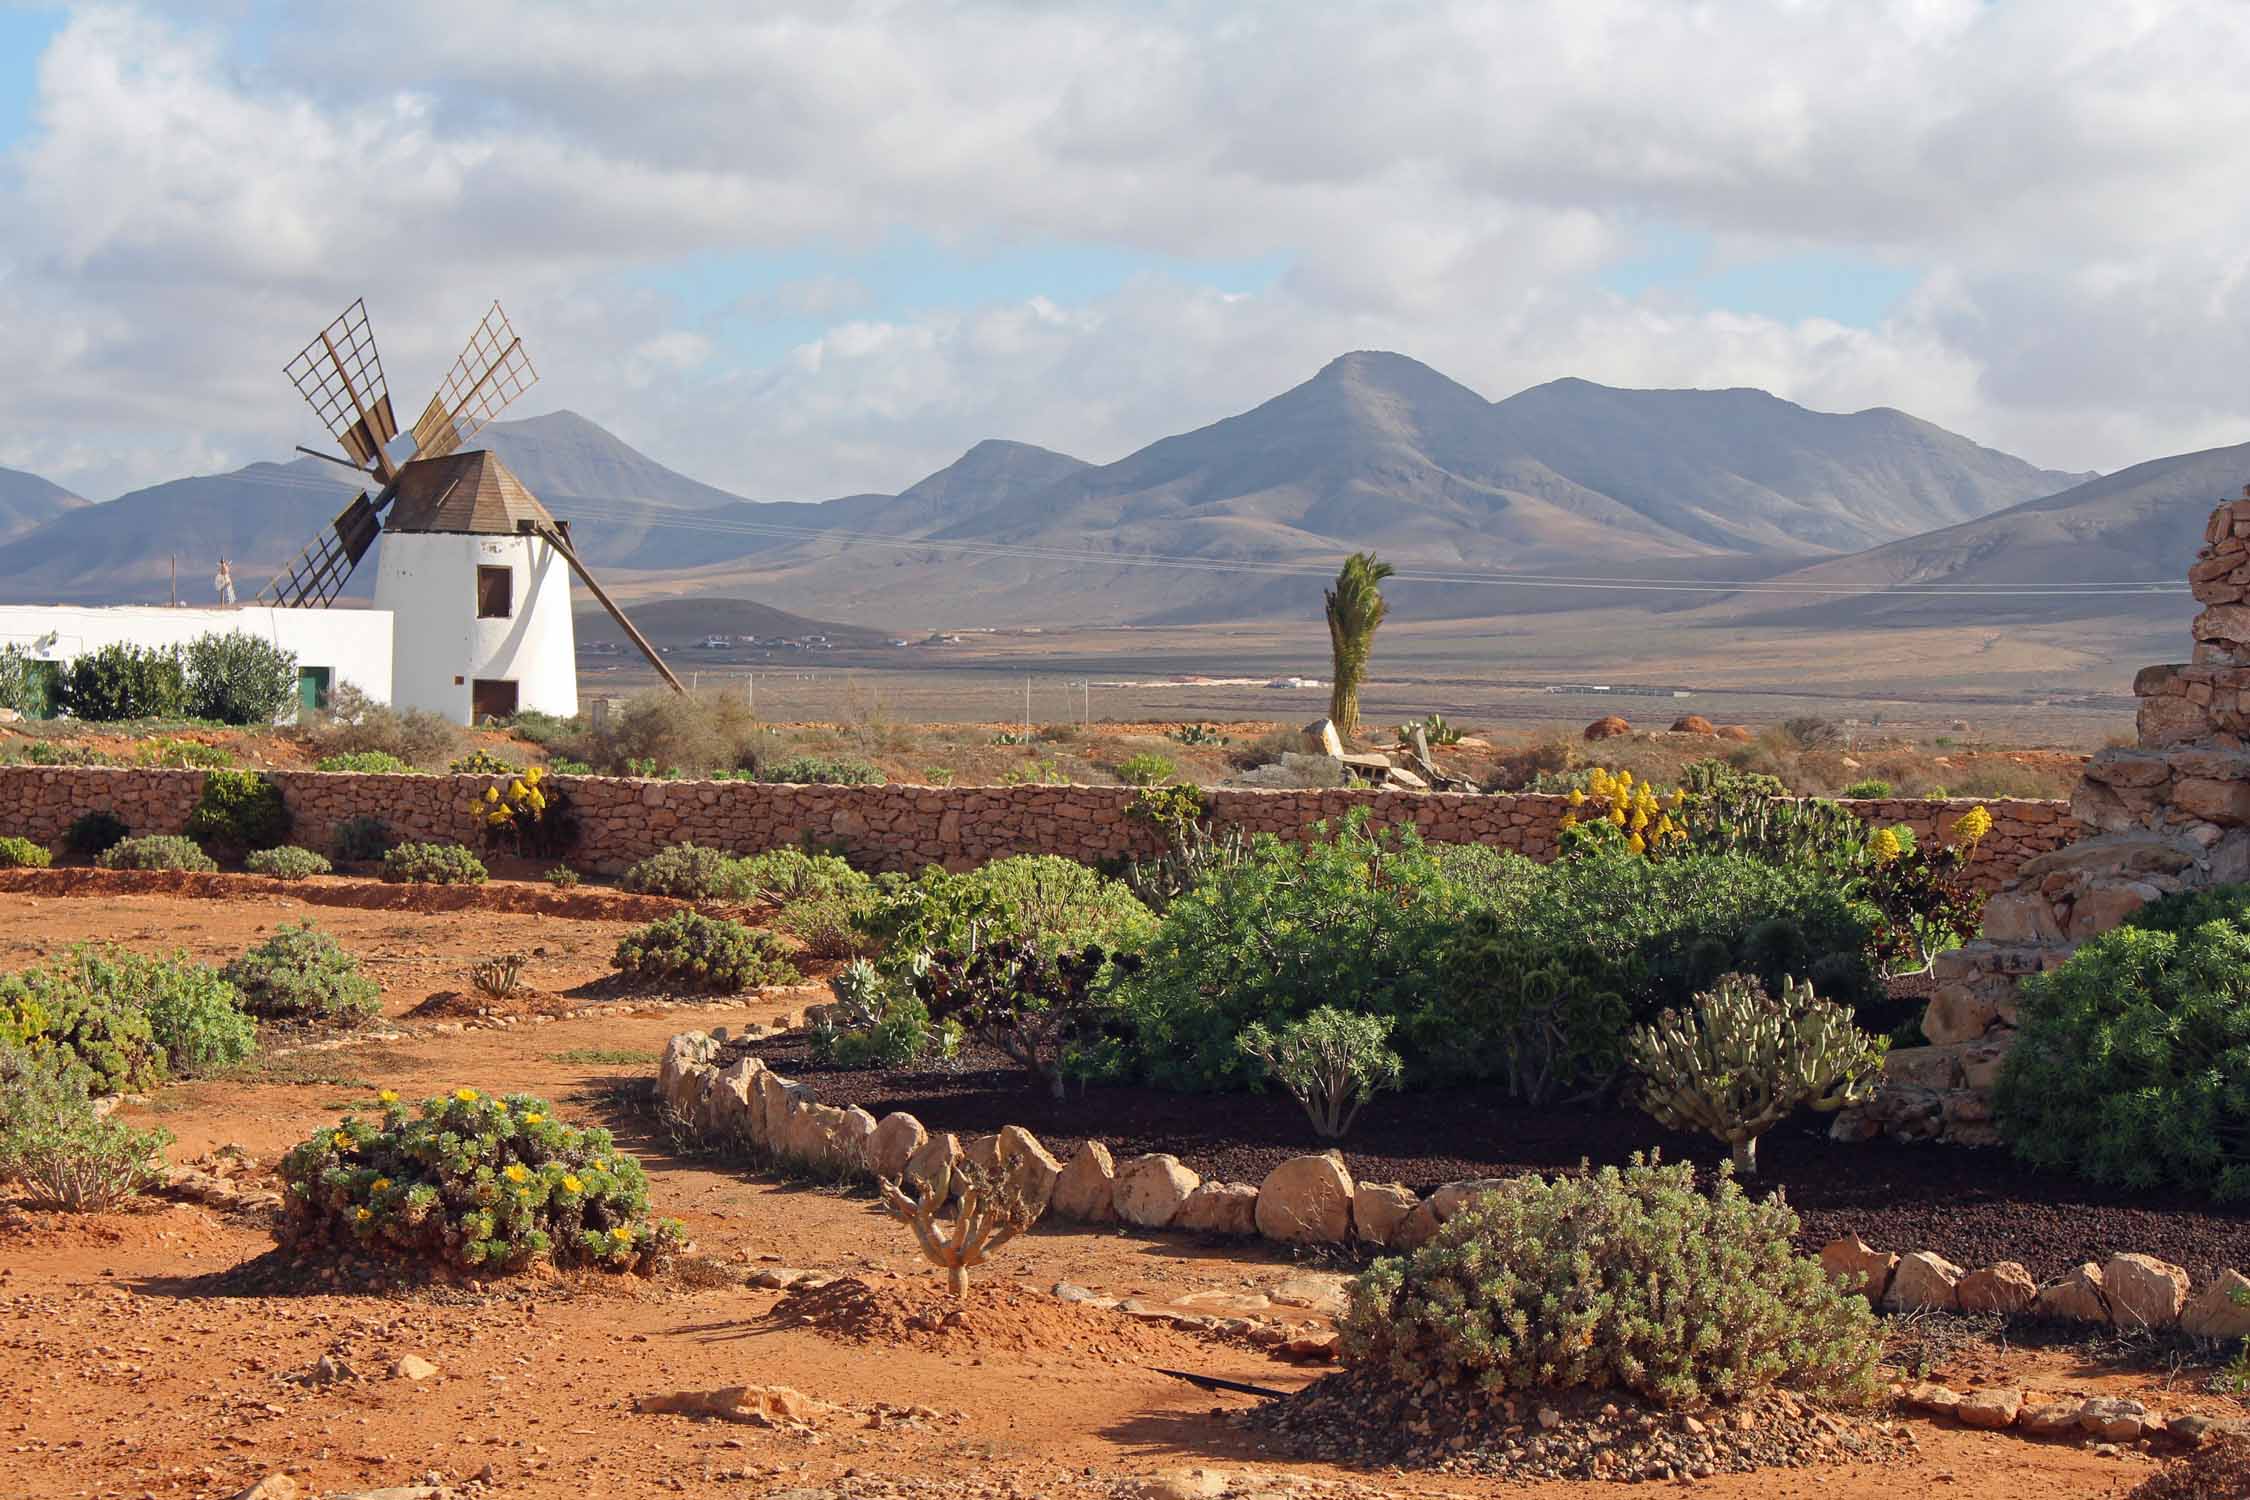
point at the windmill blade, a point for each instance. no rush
(491, 372)
(320, 571)
(340, 375)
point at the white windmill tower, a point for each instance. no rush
(474, 570)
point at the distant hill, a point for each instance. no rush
(27, 501)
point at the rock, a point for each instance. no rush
(2078, 1297)
(1924, 1282)
(848, 1138)
(1320, 1294)
(1992, 1409)
(1451, 1197)
(1417, 1228)
(983, 1151)
(1150, 1189)
(812, 1131)
(756, 1405)
(1693, 724)
(1608, 727)
(1186, 1484)
(897, 1137)
(1087, 1189)
(1320, 738)
(1219, 1208)
(1858, 1266)
(1314, 1346)
(2144, 1292)
(1307, 1200)
(412, 1367)
(2113, 1419)
(2214, 1314)
(1933, 1398)
(936, 1154)
(272, 1487)
(2049, 1419)
(1378, 1208)
(2005, 1287)
(1739, 733)
(1032, 1166)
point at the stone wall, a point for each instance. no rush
(894, 827)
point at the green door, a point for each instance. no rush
(312, 688)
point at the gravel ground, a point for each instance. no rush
(1973, 1207)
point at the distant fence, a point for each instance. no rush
(897, 827)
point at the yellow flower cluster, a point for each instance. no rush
(466, 1096)
(1972, 825)
(516, 1172)
(1884, 846)
(1648, 820)
(522, 797)
(386, 1096)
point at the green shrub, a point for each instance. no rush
(128, 1019)
(562, 877)
(353, 723)
(366, 763)
(784, 875)
(96, 832)
(64, 753)
(121, 681)
(876, 1022)
(2132, 1060)
(1874, 787)
(1620, 1279)
(1332, 1062)
(239, 810)
(287, 862)
(709, 730)
(156, 851)
(690, 872)
(238, 678)
(22, 854)
(544, 729)
(1542, 1021)
(699, 952)
(301, 973)
(1054, 901)
(182, 755)
(432, 864)
(26, 685)
(475, 1184)
(1743, 1061)
(1146, 769)
(54, 1144)
(1037, 1006)
(826, 926)
(359, 839)
(819, 770)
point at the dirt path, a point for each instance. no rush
(144, 1360)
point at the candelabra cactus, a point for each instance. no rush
(990, 1211)
(1743, 1061)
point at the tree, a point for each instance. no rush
(239, 678)
(1355, 608)
(122, 681)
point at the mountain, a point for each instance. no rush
(563, 457)
(685, 622)
(27, 501)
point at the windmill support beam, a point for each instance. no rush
(561, 544)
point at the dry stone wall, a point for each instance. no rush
(896, 827)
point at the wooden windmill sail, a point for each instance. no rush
(340, 375)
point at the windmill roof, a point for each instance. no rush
(471, 492)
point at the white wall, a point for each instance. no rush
(354, 644)
(427, 580)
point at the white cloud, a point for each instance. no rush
(1445, 180)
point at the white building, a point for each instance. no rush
(481, 603)
(332, 646)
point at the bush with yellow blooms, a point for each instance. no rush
(1615, 808)
(526, 812)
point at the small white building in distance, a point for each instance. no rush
(332, 646)
(482, 605)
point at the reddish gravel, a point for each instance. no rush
(1973, 1207)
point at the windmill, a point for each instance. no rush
(466, 540)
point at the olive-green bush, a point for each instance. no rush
(432, 864)
(287, 863)
(156, 851)
(1624, 1278)
(475, 1184)
(131, 1020)
(691, 872)
(301, 973)
(694, 951)
(22, 854)
(57, 1148)
(238, 811)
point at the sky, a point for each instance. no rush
(799, 250)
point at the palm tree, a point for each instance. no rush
(1355, 608)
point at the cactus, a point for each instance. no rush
(498, 977)
(1744, 1061)
(990, 1212)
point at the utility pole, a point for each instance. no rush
(1027, 703)
(175, 580)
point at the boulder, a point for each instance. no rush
(2049, 1419)
(1417, 1228)
(1693, 724)
(1307, 1200)
(984, 1151)
(1320, 738)
(2114, 1419)
(1087, 1189)
(1219, 1208)
(894, 1143)
(2214, 1314)
(848, 1140)
(1942, 1400)
(1738, 733)
(2144, 1292)
(938, 1152)
(1150, 1189)
(2005, 1287)
(729, 1104)
(1378, 1208)
(1608, 727)
(1858, 1266)
(1923, 1282)
(814, 1130)
(776, 1099)
(2078, 1297)
(1451, 1197)
(1989, 1409)
(1030, 1164)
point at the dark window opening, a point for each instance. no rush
(491, 698)
(496, 593)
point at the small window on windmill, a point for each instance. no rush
(496, 593)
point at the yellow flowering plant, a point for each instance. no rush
(1613, 808)
(527, 812)
(475, 1183)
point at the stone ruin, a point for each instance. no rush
(2172, 813)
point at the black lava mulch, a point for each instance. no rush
(1972, 1206)
(1366, 1417)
